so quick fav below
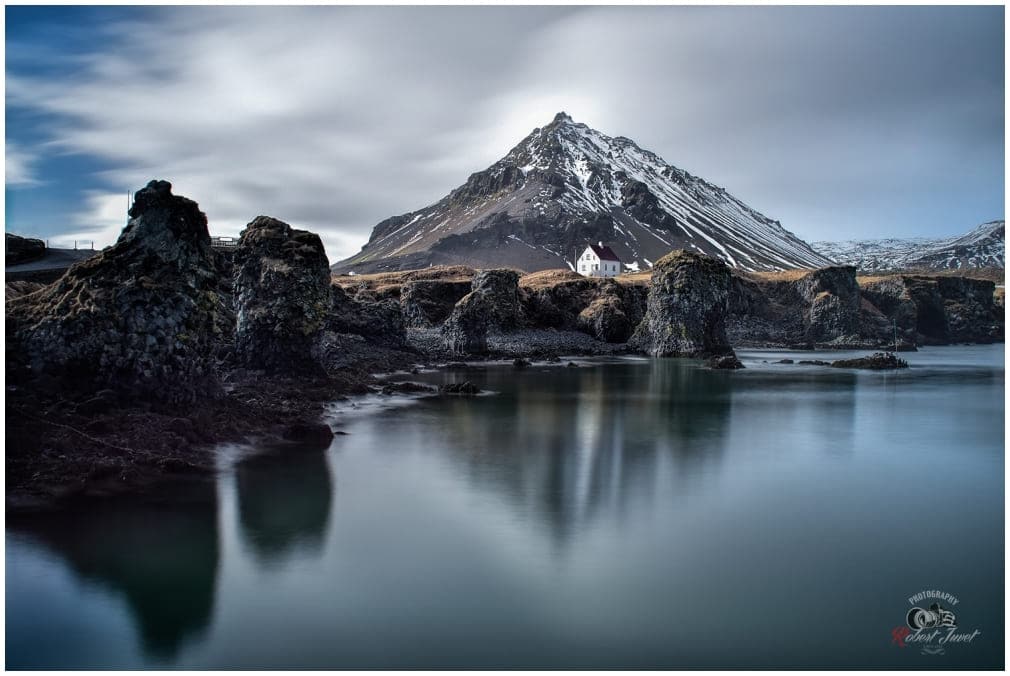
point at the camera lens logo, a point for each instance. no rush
(935, 616)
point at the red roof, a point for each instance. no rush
(605, 253)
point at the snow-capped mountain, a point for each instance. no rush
(567, 185)
(983, 247)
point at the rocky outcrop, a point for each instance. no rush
(492, 305)
(17, 289)
(377, 321)
(282, 297)
(604, 319)
(831, 303)
(687, 308)
(429, 302)
(939, 310)
(22, 249)
(728, 362)
(140, 318)
(881, 361)
(972, 314)
(822, 308)
(602, 308)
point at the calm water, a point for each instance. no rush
(638, 513)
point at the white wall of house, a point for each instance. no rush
(590, 265)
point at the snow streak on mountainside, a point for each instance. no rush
(983, 247)
(566, 186)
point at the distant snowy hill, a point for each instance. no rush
(983, 247)
(567, 185)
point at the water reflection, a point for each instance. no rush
(573, 518)
(574, 444)
(160, 555)
(284, 502)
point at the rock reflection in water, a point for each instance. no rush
(121, 545)
(284, 500)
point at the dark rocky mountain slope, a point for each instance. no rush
(565, 186)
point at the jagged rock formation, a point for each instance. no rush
(140, 318)
(379, 321)
(831, 304)
(604, 319)
(687, 308)
(828, 308)
(566, 185)
(493, 304)
(881, 361)
(429, 302)
(939, 310)
(823, 307)
(283, 298)
(602, 308)
(22, 249)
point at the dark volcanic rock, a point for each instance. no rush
(312, 434)
(22, 249)
(427, 303)
(282, 297)
(602, 308)
(939, 310)
(378, 321)
(877, 362)
(604, 318)
(814, 362)
(834, 303)
(493, 304)
(140, 318)
(406, 388)
(824, 308)
(464, 388)
(726, 361)
(687, 307)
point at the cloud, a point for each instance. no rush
(333, 118)
(18, 171)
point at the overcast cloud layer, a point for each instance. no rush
(840, 122)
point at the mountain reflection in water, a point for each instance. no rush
(616, 515)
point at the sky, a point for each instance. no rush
(840, 122)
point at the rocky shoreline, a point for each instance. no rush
(133, 365)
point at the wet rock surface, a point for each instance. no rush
(465, 388)
(726, 361)
(878, 362)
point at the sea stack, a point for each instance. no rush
(282, 297)
(686, 311)
(140, 318)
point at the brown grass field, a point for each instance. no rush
(385, 281)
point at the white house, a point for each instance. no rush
(599, 261)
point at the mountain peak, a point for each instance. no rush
(566, 185)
